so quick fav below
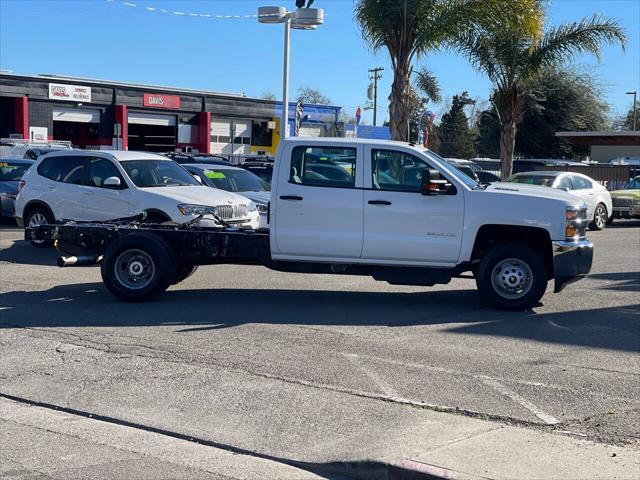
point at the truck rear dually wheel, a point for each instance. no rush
(138, 267)
(512, 276)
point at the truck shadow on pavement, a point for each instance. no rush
(23, 253)
(206, 311)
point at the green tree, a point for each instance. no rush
(456, 139)
(561, 100)
(625, 122)
(312, 96)
(511, 60)
(410, 29)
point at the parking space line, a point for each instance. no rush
(489, 381)
(381, 384)
(545, 417)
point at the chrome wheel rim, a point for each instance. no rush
(601, 216)
(134, 269)
(512, 278)
(36, 220)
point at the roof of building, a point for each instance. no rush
(51, 77)
(602, 138)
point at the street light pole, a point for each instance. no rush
(284, 122)
(301, 19)
(635, 110)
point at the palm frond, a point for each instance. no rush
(564, 42)
(427, 83)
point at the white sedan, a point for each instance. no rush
(597, 198)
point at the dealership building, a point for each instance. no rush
(98, 114)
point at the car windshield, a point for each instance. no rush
(542, 180)
(12, 170)
(468, 181)
(157, 173)
(236, 180)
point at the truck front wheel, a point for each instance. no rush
(512, 276)
(138, 267)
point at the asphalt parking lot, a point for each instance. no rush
(325, 368)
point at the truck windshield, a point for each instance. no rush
(468, 181)
(157, 173)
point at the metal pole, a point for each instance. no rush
(284, 119)
(375, 98)
(635, 111)
(376, 77)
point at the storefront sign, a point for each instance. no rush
(38, 134)
(72, 93)
(161, 101)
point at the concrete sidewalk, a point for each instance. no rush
(507, 452)
(39, 442)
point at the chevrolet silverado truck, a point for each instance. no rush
(393, 211)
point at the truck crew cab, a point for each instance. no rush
(391, 210)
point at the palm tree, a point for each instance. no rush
(410, 29)
(513, 61)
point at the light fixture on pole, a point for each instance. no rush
(635, 110)
(301, 19)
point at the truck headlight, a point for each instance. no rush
(575, 223)
(189, 209)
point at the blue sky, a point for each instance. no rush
(109, 39)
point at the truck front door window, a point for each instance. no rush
(396, 171)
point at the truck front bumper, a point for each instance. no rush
(571, 262)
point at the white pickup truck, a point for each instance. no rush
(391, 210)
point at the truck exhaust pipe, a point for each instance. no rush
(78, 261)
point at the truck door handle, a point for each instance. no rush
(290, 197)
(379, 202)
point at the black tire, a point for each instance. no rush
(30, 220)
(610, 220)
(600, 217)
(525, 259)
(183, 272)
(144, 253)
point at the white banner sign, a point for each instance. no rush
(38, 134)
(72, 93)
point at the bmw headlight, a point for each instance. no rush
(251, 207)
(262, 207)
(189, 209)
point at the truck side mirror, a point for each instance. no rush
(432, 183)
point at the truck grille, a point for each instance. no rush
(230, 212)
(623, 202)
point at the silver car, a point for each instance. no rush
(11, 171)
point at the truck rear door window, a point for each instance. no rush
(323, 166)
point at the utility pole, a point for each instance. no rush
(635, 110)
(375, 76)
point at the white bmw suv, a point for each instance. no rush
(105, 185)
